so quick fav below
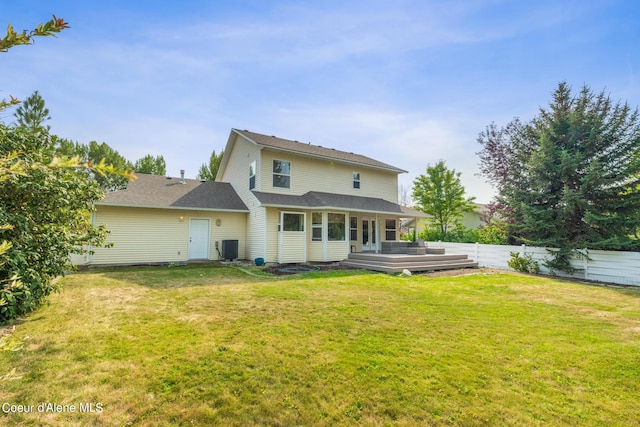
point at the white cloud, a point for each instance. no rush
(406, 140)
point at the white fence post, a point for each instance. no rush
(477, 253)
(585, 263)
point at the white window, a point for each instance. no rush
(281, 174)
(252, 175)
(354, 228)
(292, 221)
(336, 226)
(390, 229)
(356, 180)
(316, 226)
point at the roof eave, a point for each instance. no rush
(318, 156)
(333, 208)
(184, 208)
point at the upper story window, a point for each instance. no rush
(281, 174)
(252, 175)
(356, 180)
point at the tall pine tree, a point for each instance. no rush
(570, 178)
(33, 114)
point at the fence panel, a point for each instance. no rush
(605, 266)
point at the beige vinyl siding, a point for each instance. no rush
(142, 235)
(232, 227)
(257, 220)
(312, 174)
(237, 174)
(315, 250)
(237, 171)
(337, 251)
(293, 246)
(271, 234)
(325, 250)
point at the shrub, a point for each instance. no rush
(523, 264)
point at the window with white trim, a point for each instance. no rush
(336, 226)
(390, 229)
(281, 174)
(316, 226)
(356, 179)
(292, 221)
(252, 175)
(354, 228)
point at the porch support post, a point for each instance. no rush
(375, 231)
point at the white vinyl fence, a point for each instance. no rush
(604, 266)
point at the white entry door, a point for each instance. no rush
(368, 234)
(198, 238)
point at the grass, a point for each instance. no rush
(219, 346)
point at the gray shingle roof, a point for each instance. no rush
(320, 200)
(315, 150)
(154, 191)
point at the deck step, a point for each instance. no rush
(396, 263)
(398, 268)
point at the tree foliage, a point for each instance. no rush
(33, 113)
(94, 154)
(49, 28)
(13, 38)
(440, 194)
(151, 165)
(209, 171)
(570, 177)
(45, 205)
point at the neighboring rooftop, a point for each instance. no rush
(309, 149)
(153, 191)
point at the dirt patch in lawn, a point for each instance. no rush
(284, 269)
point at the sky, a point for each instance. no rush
(405, 82)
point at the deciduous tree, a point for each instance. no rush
(440, 194)
(209, 171)
(45, 205)
(151, 165)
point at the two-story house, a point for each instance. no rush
(310, 203)
(281, 200)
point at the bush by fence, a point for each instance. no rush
(604, 266)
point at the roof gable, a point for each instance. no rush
(311, 150)
(154, 191)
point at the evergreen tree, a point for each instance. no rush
(570, 178)
(32, 114)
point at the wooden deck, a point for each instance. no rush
(396, 263)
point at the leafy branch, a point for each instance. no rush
(49, 28)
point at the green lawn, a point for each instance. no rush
(218, 346)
